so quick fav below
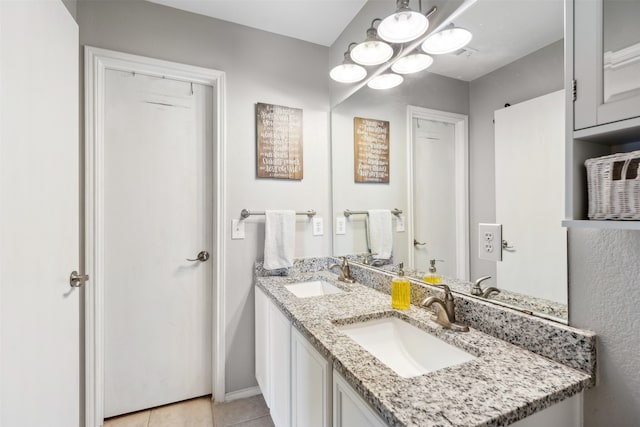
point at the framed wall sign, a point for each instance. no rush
(279, 141)
(371, 150)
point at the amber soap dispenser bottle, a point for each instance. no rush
(400, 290)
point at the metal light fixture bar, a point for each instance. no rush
(409, 48)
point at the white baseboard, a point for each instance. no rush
(241, 394)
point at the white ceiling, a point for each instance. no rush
(503, 30)
(315, 21)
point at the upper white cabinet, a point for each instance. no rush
(602, 60)
(606, 61)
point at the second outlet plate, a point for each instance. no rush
(490, 241)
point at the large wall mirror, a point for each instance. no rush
(476, 138)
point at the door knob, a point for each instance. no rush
(76, 280)
(416, 243)
(202, 256)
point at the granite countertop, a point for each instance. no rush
(505, 383)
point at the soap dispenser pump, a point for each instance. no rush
(400, 290)
(433, 277)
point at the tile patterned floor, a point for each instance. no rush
(200, 412)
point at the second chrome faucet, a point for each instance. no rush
(345, 271)
(445, 312)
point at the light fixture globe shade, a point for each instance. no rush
(403, 26)
(385, 81)
(348, 73)
(412, 63)
(371, 52)
(447, 41)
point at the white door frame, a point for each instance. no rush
(461, 137)
(97, 61)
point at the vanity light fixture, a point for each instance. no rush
(372, 51)
(412, 63)
(449, 40)
(385, 81)
(403, 25)
(348, 71)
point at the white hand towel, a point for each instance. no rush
(279, 239)
(380, 233)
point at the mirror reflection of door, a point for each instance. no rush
(434, 195)
(530, 168)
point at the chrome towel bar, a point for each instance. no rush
(348, 213)
(246, 213)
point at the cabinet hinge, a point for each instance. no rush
(574, 89)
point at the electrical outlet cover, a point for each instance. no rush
(489, 241)
(341, 225)
(237, 229)
(317, 224)
(399, 224)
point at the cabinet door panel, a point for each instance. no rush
(349, 410)
(310, 380)
(590, 107)
(262, 344)
(279, 367)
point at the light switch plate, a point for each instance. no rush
(399, 224)
(318, 226)
(490, 241)
(237, 229)
(341, 225)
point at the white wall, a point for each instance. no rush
(260, 67)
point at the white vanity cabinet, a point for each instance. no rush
(294, 378)
(349, 409)
(301, 389)
(273, 344)
(310, 384)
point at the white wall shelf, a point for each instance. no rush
(602, 225)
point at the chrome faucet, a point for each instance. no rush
(446, 314)
(345, 271)
(476, 290)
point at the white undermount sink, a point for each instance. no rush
(314, 288)
(408, 350)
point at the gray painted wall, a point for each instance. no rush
(260, 67)
(604, 274)
(536, 74)
(603, 267)
(72, 7)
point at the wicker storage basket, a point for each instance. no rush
(613, 184)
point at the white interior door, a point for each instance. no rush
(530, 172)
(158, 207)
(39, 311)
(434, 195)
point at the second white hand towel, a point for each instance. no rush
(279, 239)
(380, 233)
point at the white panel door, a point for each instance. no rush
(158, 200)
(530, 172)
(39, 311)
(434, 190)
